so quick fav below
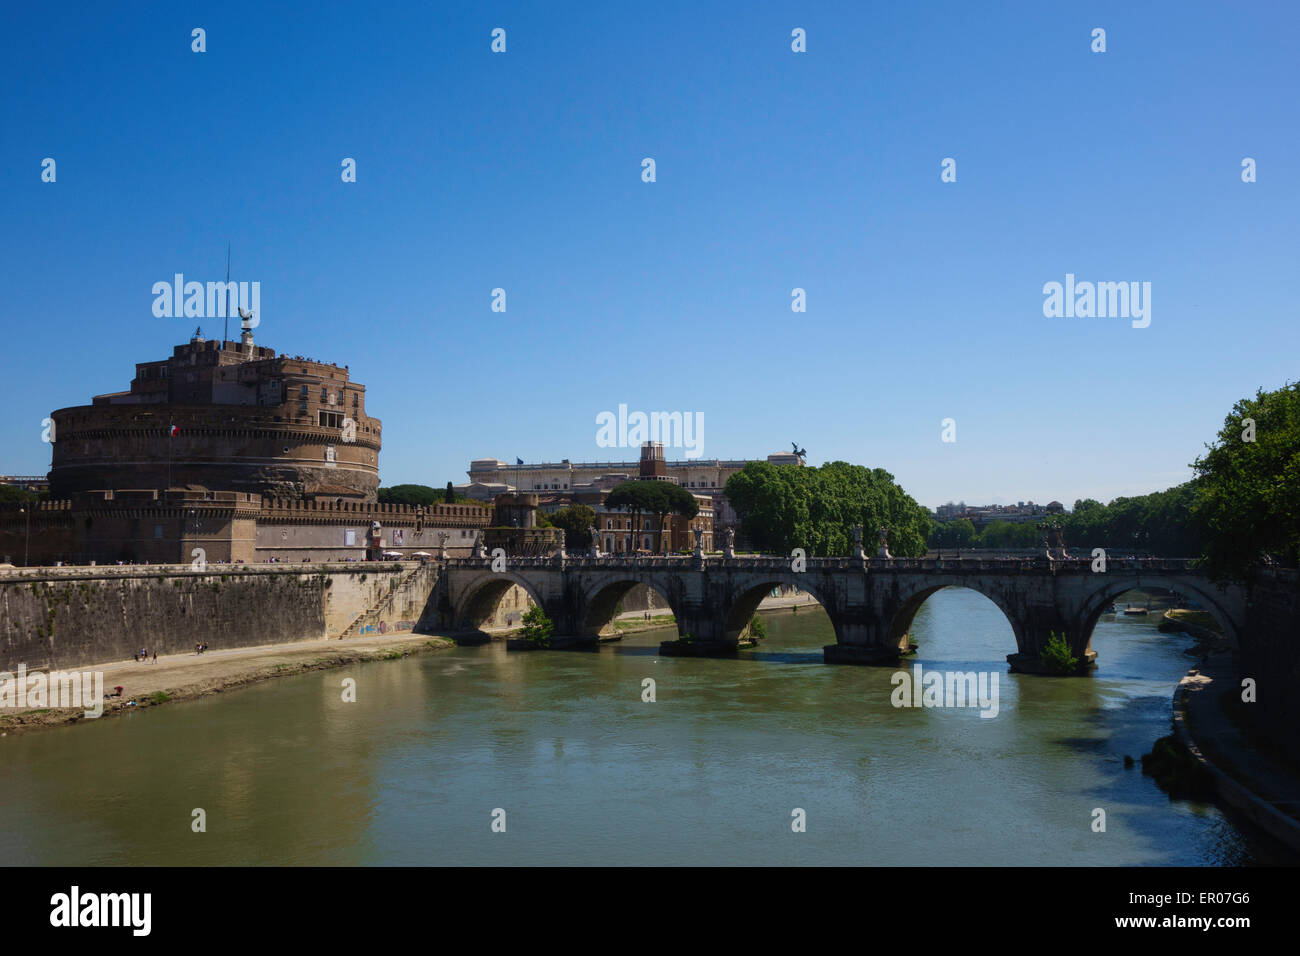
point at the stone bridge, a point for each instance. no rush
(870, 601)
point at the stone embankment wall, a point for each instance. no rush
(68, 617)
(1271, 656)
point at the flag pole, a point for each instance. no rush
(225, 332)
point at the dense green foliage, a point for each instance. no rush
(959, 533)
(11, 495)
(1012, 534)
(1056, 655)
(1249, 491)
(577, 522)
(782, 507)
(537, 628)
(421, 495)
(1160, 523)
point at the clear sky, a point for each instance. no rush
(774, 170)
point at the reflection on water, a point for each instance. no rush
(589, 773)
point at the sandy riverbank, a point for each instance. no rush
(188, 676)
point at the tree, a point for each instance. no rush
(1056, 656)
(782, 507)
(11, 495)
(1160, 523)
(1249, 483)
(641, 498)
(953, 534)
(673, 499)
(408, 495)
(1010, 534)
(577, 522)
(422, 495)
(537, 627)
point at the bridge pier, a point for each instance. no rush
(1034, 627)
(1033, 664)
(702, 632)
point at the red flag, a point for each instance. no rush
(175, 431)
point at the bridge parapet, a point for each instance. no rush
(716, 559)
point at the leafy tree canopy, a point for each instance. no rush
(1248, 503)
(421, 495)
(11, 495)
(576, 520)
(782, 507)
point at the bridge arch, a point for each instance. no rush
(602, 594)
(1099, 597)
(902, 618)
(482, 597)
(746, 598)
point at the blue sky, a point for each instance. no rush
(775, 170)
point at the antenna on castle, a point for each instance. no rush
(225, 332)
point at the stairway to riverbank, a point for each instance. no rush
(412, 589)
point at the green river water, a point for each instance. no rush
(588, 773)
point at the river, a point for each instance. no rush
(586, 772)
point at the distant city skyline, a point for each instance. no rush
(780, 177)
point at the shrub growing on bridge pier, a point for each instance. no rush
(538, 628)
(1056, 656)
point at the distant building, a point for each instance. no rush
(980, 515)
(704, 477)
(34, 483)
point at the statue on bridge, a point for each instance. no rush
(730, 550)
(480, 546)
(1057, 539)
(595, 541)
(858, 550)
(442, 544)
(884, 544)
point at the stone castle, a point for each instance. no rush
(232, 451)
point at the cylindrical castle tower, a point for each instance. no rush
(238, 418)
